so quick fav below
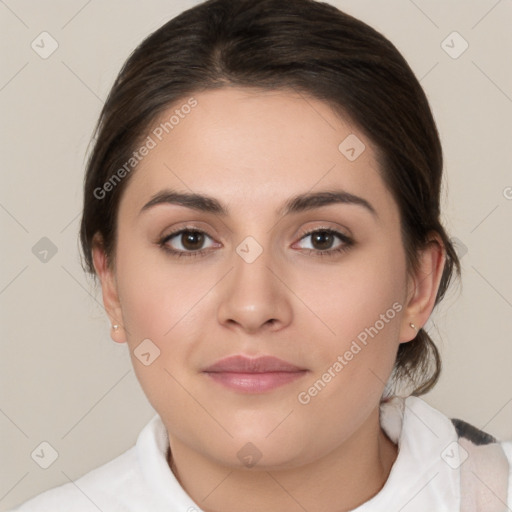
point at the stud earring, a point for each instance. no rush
(115, 327)
(414, 327)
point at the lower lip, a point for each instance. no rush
(255, 382)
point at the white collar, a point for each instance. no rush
(420, 480)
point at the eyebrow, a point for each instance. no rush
(296, 204)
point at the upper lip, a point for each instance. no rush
(244, 364)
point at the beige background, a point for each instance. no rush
(63, 380)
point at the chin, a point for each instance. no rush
(258, 450)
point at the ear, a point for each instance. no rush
(108, 289)
(422, 287)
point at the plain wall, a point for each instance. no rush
(62, 379)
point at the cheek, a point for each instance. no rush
(158, 313)
(362, 305)
(364, 292)
(155, 293)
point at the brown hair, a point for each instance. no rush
(301, 45)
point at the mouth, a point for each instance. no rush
(253, 375)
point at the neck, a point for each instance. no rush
(348, 476)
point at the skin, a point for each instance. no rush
(252, 151)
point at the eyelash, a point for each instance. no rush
(347, 243)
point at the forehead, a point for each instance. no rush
(255, 147)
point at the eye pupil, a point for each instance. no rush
(323, 238)
(192, 240)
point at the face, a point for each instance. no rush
(318, 282)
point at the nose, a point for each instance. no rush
(254, 296)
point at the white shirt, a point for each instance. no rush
(435, 471)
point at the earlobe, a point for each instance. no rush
(117, 334)
(422, 288)
(109, 291)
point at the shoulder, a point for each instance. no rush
(484, 464)
(127, 483)
(486, 469)
(458, 466)
(100, 489)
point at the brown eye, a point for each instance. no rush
(186, 242)
(322, 240)
(192, 240)
(326, 242)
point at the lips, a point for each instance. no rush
(242, 364)
(253, 375)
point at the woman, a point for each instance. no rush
(261, 207)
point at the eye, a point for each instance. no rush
(185, 242)
(190, 242)
(323, 242)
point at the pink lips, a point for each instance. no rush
(253, 375)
